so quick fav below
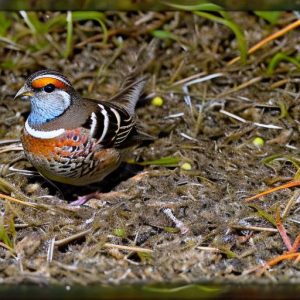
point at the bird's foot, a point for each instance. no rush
(81, 200)
(111, 196)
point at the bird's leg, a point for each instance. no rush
(110, 196)
(81, 200)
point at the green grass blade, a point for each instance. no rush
(263, 214)
(278, 58)
(163, 34)
(4, 235)
(68, 49)
(271, 16)
(5, 23)
(32, 21)
(92, 15)
(168, 161)
(226, 20)
(201, 6)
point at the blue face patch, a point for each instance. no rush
(46, 107)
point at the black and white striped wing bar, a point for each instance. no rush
(110, 125)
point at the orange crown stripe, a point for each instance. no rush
(41, 82)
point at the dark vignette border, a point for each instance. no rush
(144, 5)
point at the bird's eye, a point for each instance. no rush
(49, 88)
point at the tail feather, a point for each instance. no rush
(134, 82)
(130, 94)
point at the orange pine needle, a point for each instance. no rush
(266, 40)
(275, 189)
(274, 261)
(282, 231)
(296, 244)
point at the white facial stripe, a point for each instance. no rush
(52, 76)
(106, 122)
(43, 134)
(94, 124)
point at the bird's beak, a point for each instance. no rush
(23, 92)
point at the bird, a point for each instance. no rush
(75, 140)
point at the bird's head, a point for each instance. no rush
(50, 94)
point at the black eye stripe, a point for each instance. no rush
(49, 88)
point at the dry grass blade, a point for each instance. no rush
(240, 87)
(209, 249)
(238, 118)
(129, 248)
(9, 141)
(279, 83)
(7, 247)
(16, 147)
(7, 187)
(254, 228)
(290, 204)
(73, 237)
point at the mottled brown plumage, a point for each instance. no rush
(75, 140)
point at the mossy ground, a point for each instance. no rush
(226, 166)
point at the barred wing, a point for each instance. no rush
(110, 125)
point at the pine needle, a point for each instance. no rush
(267, 40)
